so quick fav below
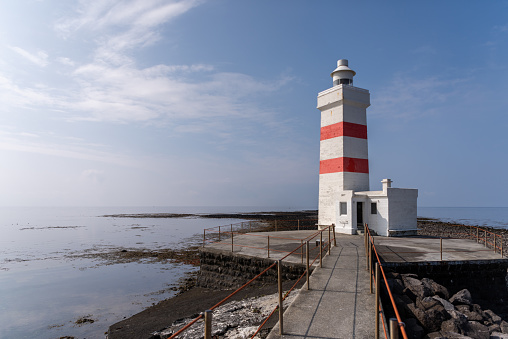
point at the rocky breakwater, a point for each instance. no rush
(430, 312)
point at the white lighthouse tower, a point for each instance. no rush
(344, 196)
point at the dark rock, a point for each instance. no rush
(436, 288)
(494, 328)
(417, 288)
(477, 330)
(413, 330)
(432, 318)
(434, 335)
(453, 335)
(492, 317)
(458, 323)
(426, 303)
(462, 297)
(446, 304)
(396, 286)
(471, 315)
(504, 326)
(402, 303)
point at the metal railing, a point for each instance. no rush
(324, 247)
(376, 271)
(219, 233)
(490, 238)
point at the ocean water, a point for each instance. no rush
(476, 216)
(46, 284)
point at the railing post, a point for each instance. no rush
(298, 224)
(441, 246)
(485, 236)
(394, 328)
(321, 249)
(367, 241)
(329, 240)
(378, 290)
(268, 239)
(204, 237)
(307, 254)
(275, 225)
(477, 236)
(232, 244)
(370, 267)
(219, 233)
(208, 324)
(334, 239)
(281, 308)
(301, 250)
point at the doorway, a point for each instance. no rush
(359, 215)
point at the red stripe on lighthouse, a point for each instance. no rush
(346, 129)
(354, 165)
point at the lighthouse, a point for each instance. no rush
(344, 196)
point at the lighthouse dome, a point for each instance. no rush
(343, 75)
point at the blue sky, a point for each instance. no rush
(152, 102)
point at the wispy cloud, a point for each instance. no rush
(29, 142)
(413, 97)
(40, 58)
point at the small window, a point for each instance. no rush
(373, 208)
(343, 208)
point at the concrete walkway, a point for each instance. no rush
(339, 303)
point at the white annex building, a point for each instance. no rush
(344, 196)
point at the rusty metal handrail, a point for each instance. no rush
(399, 320)
(249, 282)
(329, 241)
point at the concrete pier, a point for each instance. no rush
(339, 303)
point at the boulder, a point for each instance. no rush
(446, 304)
(462, 297)
(454, 335)
(402, 302)
(433, 335)
(471, 315)
(426, 303)
(498, 335)
(415, 288)
(494, 328)
(477, 330)
(504, 326)
(491, 317)
(430, 319)
(458, 323)
(436, 288)
(413, 330)
(396, 286)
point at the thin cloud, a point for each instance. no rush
(40, 58)
(66, 61)
(28, 143)
(410, 98)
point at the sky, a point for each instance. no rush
(213, 103)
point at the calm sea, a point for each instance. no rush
(45, 286)
(476, 216)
